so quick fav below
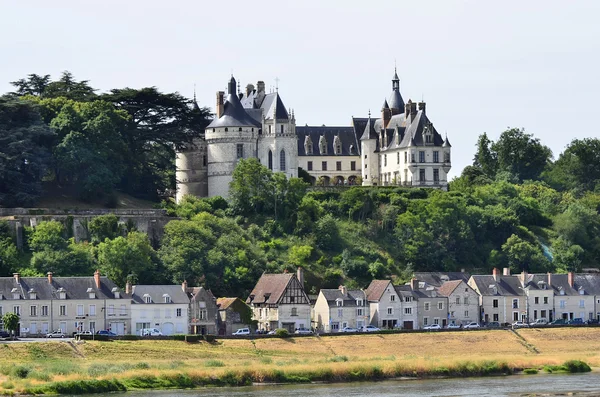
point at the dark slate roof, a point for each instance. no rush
(561, 282)
(506, 285)
(270, 288)
(396, 101)
(332, 295)
(446, 143)
(438, 278)
(157, 292)
(273, 107)
(385, 105)
(360, 127)
(234, 115)
(346, 135)
(404, 291)
(75, 287)
(376, 289)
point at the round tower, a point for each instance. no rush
(369, 155)
(191, 170)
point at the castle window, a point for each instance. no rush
(436, 175)
(270, 160)
(405, 157)
(204, 161)
(337, 144)
(353, 166)
(281, 128)
(422, 175)
(338, 165)
(308, 145)
(398, 158)
(240, 150)
(269, 129)
(309, 165)
(322, 145)
(446, 157)
(324, 166)
(240, 129)
(421, 156)
(385, 160)
(226, 129)
(436, 156)
(282, 160)
(213, 130)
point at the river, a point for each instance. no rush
(512, 386)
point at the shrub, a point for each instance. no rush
(192, 338)
(530, 371)
(576, 366)
(210, 338)
(20, 372)
(338, 359)
(141, 365)
(214, 363)
(282, 333)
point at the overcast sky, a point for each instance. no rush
(481, 66)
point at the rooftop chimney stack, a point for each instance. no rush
(260, 86)
(249, 89)
(184, 286)
(523, 277)
(506, 271)
(97, 278)
(422, 106)
(495, 274)
(128, 287)
(343, 290)
(571, 279)
(219, 108)
(17, 277)
(49, 277)
(413, 109)
(300, 275)
(414, 284)
(407, 109)
(549, 279)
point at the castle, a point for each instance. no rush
(402, 147)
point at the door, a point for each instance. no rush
(407, 325)
(117, 328)
(63, 327)
(44, 328)
(33, 328)
(167, 329)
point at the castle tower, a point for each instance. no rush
(396, 103)
(370, 157)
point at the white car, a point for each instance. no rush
(472, 326)
(151, 332)
(453, 326)
(520, 324)
(84, 333)
(370, 328)
(432, 327)
(56, 334)
(303, 331)
(243, 331)
(348, 329)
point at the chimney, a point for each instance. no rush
(413, 108)
(184, 286)
(97, 278)
(300, 275)
(549, 279)
(462, 269)
(128, 287)
(17, 277)
(495, 274)
(422, 106)
(407, 109)
(219, 108)
(386, 116)
(249, 89)
(260, 86)
(49, 277)
(524, 277)
(506, 271)
(570, 278)
(343, 290)
(414, 284)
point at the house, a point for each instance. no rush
(540, 296)
(234, 314)
(203, 311)
(437, 279)
(463, 302)
(279, 301)
(385, 305)
(70, 304)
(502, 298)
(409, 318)
(571, 297)
(432, 307)
(165, 307)
(339, 308)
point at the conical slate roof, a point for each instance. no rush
(396, 101)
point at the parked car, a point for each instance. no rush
(271, 332)
(4, 334)
(519, 324)
(106, 333)
(472, 326)
(493, 324)
(539, 322)
(84, 333)
(370, 328)
(348, 329)
(559, 321)
(592, 321)
(56, 334)
(243, 331)
(454, 326)
(576, 321)
(432, 327)
(303, 331)
(150, 332)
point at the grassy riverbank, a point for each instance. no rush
(61, 367)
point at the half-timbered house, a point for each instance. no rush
(279, 301)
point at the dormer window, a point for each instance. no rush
(322, 145)
(337, 145)
(116, 292)
(308, 145)
(15, 294)
(167, 298)
(147, 298)
(562, 291)
(62, 294)
(91, 293)
(359, 302)
(581, 291)
(32, 294)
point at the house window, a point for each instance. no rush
(436, 320)
(537, 300)
(458, 300)
(425, 320)
(353, 166)
(156, 313)
(148, 299)
(178, 312)
(426, 306)
(436, 156)
(428, 138)
(515, 304)
(563, 304)
(340, 313)
(339, 303)
(240, 150)
(542, 313)
(421, 175)
(398, 158)
(436, 175)
(581, 303)
(408, 299)
(270, 160)
(390, 311)
(309, 165)
(324, 166)
(338, 165)
(466, 313)
(466, 300)
(392, 298)
(111, 310)
(282, 160)
(359, 312)
(440, 305)
(515, 316)
(495, 303)
(385, 160)
(17, 310)
(167, 299)
(408, 310)
(79, 310)
(294, 311)
(44, 311)
(202, 314)
(123, 311)
(92, 326)
(495, 316)
(62, 310)
(546, 300)
(33, 311)
(92, 310)
(421, 156)
(359, 302)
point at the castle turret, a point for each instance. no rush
(370, 157)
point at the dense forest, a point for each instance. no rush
(516, 206)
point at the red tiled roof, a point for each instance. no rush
(448, 287)
(224, 303)
(270, 288)
(376, 289)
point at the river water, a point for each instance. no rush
(513, 386)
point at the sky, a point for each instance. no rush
(481, 66)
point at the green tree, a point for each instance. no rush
(251, 191)
(104, 227)
(11, 322)
(523, 255)
(485, 159)
(32, 85)
(578, 167)
(520, 154)
(24, 154)
(327, 234)
(566, 257)
(74, 260)
(48, 235)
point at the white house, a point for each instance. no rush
(339, 308)
(160, 306)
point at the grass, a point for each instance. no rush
(57, 367)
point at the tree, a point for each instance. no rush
(32, 85)
(327, 234)
(24, 154)
(11, 322)
(104, 227)
(48, 235)
(123, 256)
(75, 260)
(578, 167)
(251, 191)
(484, 158)
(523, 255)
(520, 154)
(44, 87)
